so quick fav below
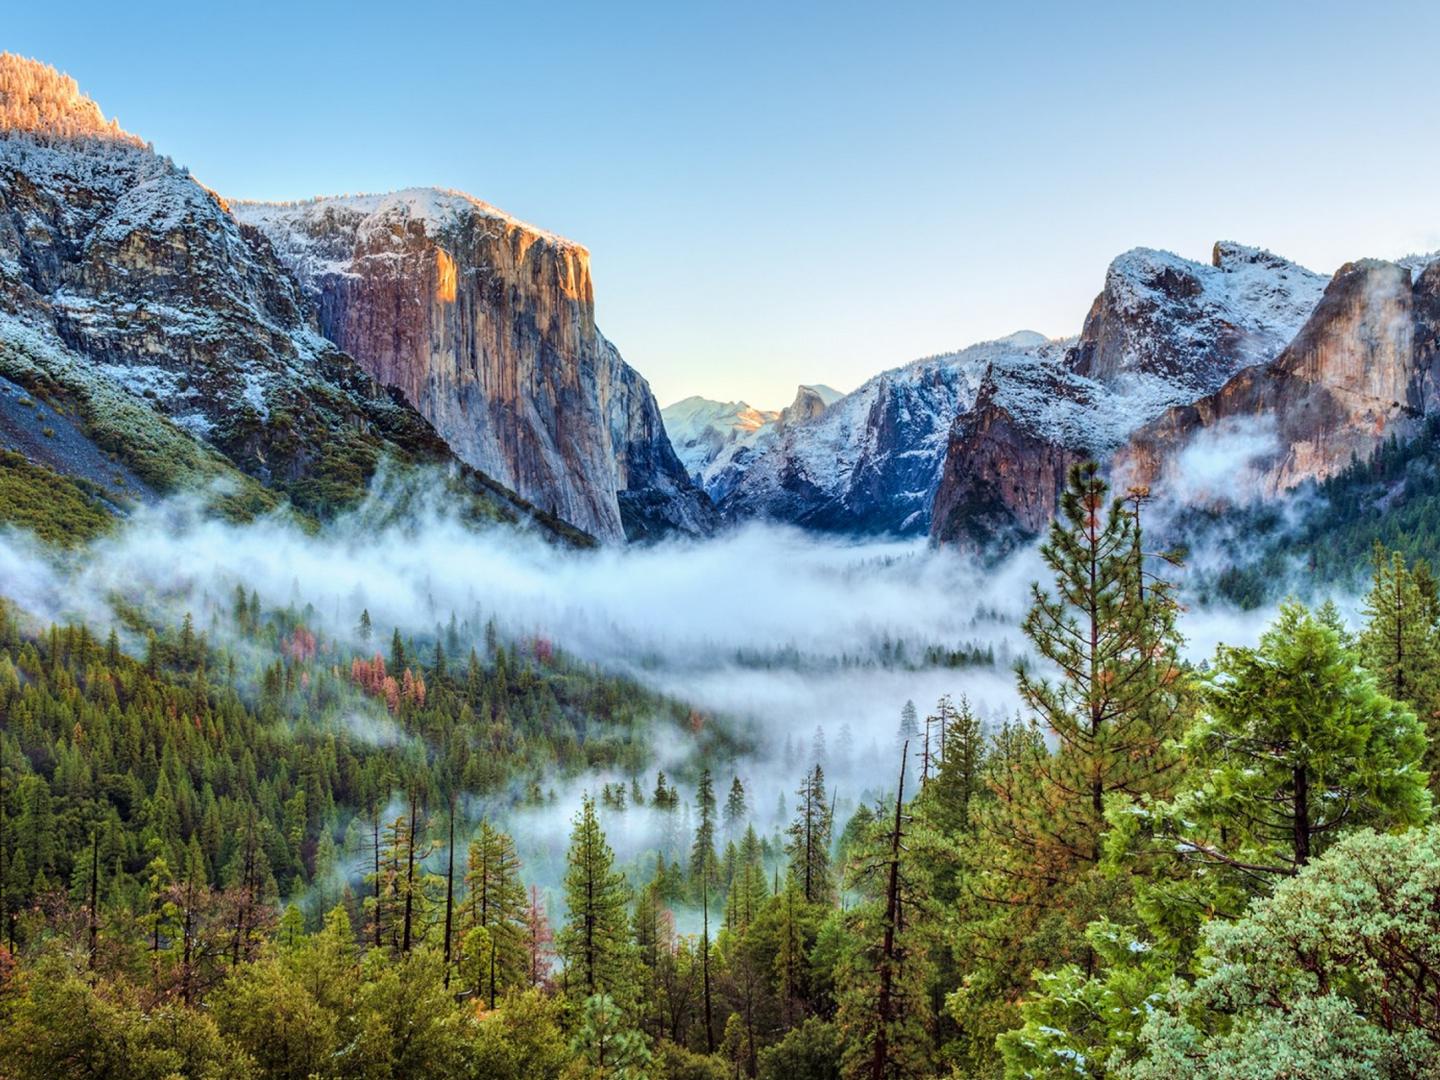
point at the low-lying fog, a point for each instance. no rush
(770, 628)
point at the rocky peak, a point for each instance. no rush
(1163, 333)
(810, 402)
(1194, 325)
(125, 281)
(487, 326)
(1359, 371)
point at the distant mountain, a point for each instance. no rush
(700, 429)
(867, 462)
(704, 431)
(974, 446)
(169, 337)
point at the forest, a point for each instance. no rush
(232, 846)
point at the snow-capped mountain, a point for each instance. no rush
(1363, 369)
(716, 438)
(977, 443)
(700, 428)
(133, 301)
(1172, 347)
(869, 461)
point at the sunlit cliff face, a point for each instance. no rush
(444, 277)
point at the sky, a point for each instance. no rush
(786, 193)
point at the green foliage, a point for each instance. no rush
(809, 1051)
(1079, 1025)
(595, 942)
(57, 509)
(1329, 977)
(604, 1047)
(1294, 745)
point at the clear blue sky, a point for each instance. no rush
(784, 193)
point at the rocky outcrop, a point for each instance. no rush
(700, 429)
(487, 326)
(120, 275)
(1163, 333)
(1359, 372)
(867, 463)
(1191, 326)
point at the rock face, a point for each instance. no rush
(867, 463)
(701, 429)
(975, 445)
(1360, 371)
(487, 326)
(1192, 326)
(1162, 334)
(720, 440)
(121, 277)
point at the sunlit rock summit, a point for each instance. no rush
(487, 326)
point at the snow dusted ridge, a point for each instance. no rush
(704, 431)
(1164, 331)
(1193, 325)
(870, 461)
(307, 234)
(700, 429)
(487, 326)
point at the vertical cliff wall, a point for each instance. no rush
(487, 326)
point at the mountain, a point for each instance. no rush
(1163, 333)
(150, 329)
(700, 429)
(1361, 371)
(868, 462)
(486, 325)
(705, 432)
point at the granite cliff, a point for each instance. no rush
(487, 326)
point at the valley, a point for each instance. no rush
(391, 687)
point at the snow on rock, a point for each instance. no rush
(486, 325)
(133, 287)
(1191, 324)
(870, 461)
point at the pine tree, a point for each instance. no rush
(809, 840)
(594, 944)
(702, 850)
(909, 725)
(1109, 628)
(1400, 643)
(1294, 746)
(884, 1013)
(950, 798)
(496, 900)
(748, 890)
(736, 809)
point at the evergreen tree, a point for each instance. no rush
(884, 1014)
(1400, 643)
(950, 799)
(496, 901)
(809, 840)
(594, 944)
(736, 809)
(1295, 745)
(1109, 630)
(702, 850)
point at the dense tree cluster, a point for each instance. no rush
(254, 851)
